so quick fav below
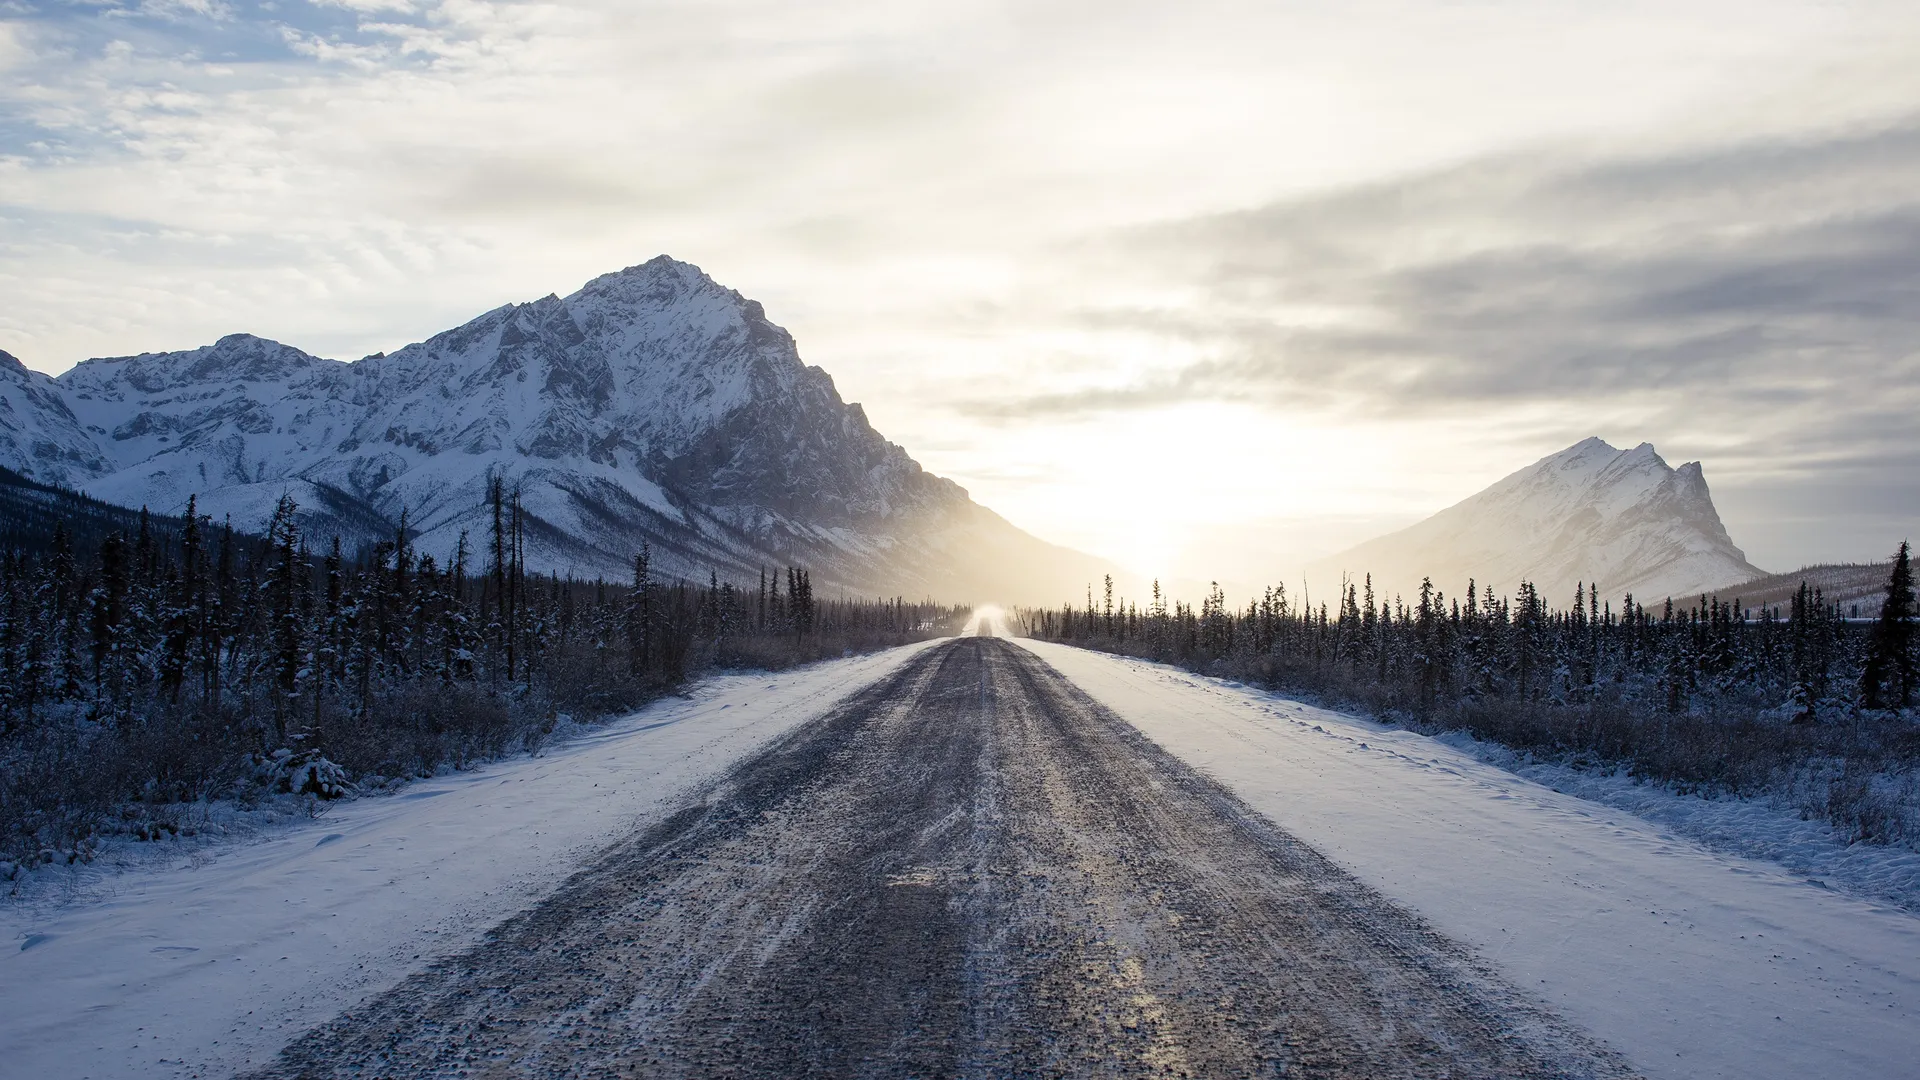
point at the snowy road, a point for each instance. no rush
(208, 964)
(950, 858)
(969, 869)
(1696, 965)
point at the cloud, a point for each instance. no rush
(1186, 386)
(13, 53)
(1755, 304)
(1769, 277)
(902, 183)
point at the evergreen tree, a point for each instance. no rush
(284, 587)
(497, 568)
(109, 612)
(208, 648)
(1888, 677)
(179, 630)
(640, 613)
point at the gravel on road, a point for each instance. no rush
(968, 869)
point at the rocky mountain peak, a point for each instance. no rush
(39, 435)
(661, 284)
(652, 405)
(235, 358)
(1591, 513)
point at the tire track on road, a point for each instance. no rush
(967, 869)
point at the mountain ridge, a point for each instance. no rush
(1592, 514)
(653, 405)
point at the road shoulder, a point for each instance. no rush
(210, 968)
(1695, 964)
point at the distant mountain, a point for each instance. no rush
(1623, 519)
(39, 435)
(1859, 588)
(31, 513)
(653, 405)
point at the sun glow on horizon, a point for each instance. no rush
(1019, 235)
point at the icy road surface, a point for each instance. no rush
(1695, 965)
(951, 858)
(205, 970)
(969, 869)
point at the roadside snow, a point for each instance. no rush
(207, 968)
(1693, 963)
(1752, 828)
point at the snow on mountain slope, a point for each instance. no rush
(653, 405)
(1859, 588)
(237, 423)
(1623, 519)
(39, 435)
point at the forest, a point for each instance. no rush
(150, 665)
(1795, 701)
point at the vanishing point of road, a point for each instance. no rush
(967, 869)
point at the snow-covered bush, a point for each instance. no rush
(306, 772)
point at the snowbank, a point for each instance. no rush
(1754, 828)
(1693, 963)
(207, 968)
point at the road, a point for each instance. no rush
(967, 869)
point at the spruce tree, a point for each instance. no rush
(640, 612)
(109, 607)
(285, 581)
(497, 619)
(1888, 678)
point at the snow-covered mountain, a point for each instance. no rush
(1623, 519)
(39, 435)
(653, 404)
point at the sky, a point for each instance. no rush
(1210, 288)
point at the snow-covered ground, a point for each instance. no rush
(204, 968)
(1693, 963)
(1756, 828)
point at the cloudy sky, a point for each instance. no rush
(1210, 287)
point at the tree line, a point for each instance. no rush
(1794, 699)
(177, 664)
